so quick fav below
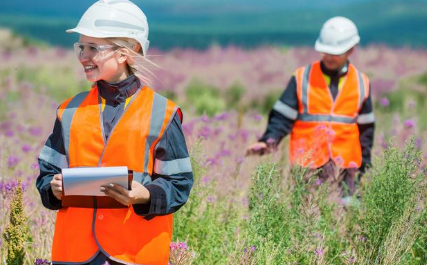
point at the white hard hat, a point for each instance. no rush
(114, 19)
(338, 35)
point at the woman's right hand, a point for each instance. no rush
(56, 185)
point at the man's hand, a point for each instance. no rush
(259, 148)
(56, 185)
(138, 195)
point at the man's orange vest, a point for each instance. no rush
(326, 128)
(119, 233)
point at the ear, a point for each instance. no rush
(138, 48)
(123, 55)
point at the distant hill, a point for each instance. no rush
(247, 23)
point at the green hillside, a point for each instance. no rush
(395, 23)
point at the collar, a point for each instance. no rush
(334, 73)
(120, 91)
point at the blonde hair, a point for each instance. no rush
(137, 63)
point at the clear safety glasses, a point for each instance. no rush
(89, 50)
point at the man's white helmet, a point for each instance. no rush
(338, 35)
(114, 19)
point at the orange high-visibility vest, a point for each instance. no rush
(325, 128)
(120, 233)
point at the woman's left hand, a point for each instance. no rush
(138, 195)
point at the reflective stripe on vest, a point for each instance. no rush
(326, 128)
(120, 234)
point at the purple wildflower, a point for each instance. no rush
(412, 104)
(240, 159)
(221, 117)
(12, 161)
(205, 132)
(384, 102)
(318, 252)
(9, 133)
(210, 199)
(318, 182)
(206, 180)
(41, 262)
(35, 131)
(352, 165)
(257, 117)
(339, 161)
(26, 148)
(409, 123)
(224, 152)
(418, 143)
(188, 128)
(182, 245)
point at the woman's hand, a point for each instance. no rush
(258, 148)
(138, 195)
(56, 185)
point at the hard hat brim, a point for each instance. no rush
(334, 50)
(87, 32)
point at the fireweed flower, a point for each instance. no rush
(221, 117)
(210, 199)
(35, 131)
(9, 133)
(318, 252)
(257, 117)
(41, 262)
(188, 128)
(419, 143)
(339, 161)
(205, 132)
(384, 102)
(12, 161)
(352, 165)
(409, 124)
(182, 245)
(240, 159)
(412, 104)
(26, 148)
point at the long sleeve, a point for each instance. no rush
(51, 160)
(172, 177)
(366, 125)
(283, 115)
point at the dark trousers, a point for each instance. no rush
(101, 259)
(347, 178)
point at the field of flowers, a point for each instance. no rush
(242, 210)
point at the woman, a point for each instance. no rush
(119, 122)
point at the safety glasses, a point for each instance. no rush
(90, 50)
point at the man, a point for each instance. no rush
(327, 109)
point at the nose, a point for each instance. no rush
(83, 57)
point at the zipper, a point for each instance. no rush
(112, 130)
